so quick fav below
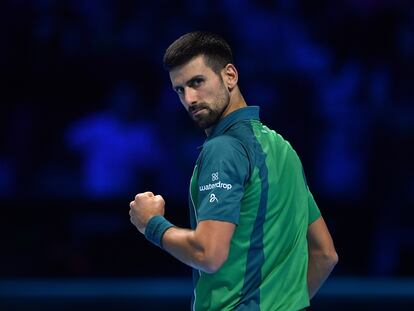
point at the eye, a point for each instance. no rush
(196, 82)
(179, 90)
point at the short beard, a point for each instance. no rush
(213, 115)
(211, 118)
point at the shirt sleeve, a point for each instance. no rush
(314, 212)
(223, 172)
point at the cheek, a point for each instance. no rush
(184, 104)
(208, 96)
(217, 96)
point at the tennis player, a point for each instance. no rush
(257, 239)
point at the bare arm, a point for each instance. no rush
(205, 248)
(322, 255)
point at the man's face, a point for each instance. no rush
(202, 92)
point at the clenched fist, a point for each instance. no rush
(145, 206)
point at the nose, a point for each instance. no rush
(190, 96)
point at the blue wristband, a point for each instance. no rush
(156, 228)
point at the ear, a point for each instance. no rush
(230, 76)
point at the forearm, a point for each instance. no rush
(319, 267)
(206, 248)
(187, 246)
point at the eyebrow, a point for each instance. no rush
(189, 81)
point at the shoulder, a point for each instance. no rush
(225, 145)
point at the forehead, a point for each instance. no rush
(196, 66)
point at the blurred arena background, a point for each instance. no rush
(88, 119)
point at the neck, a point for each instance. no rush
(236, 102)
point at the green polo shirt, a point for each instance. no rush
(249, 175)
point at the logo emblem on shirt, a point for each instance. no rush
(216, 183)
(213, 198)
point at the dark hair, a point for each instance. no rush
(216, 50)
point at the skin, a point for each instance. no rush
(322, 255)
(208, 97)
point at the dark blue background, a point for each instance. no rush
(88, 119)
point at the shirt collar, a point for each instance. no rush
(245, 113)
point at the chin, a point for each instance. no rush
(208, 121)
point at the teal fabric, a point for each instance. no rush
(156, 228)
(222, 174)
(247, 174)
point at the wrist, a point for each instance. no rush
(156, 228)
